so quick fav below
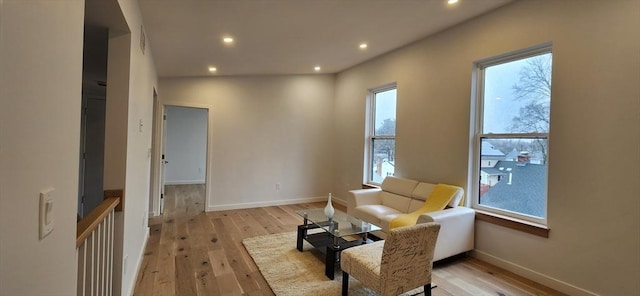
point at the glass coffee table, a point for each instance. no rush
(339, 233)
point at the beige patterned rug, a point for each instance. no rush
(290, 272)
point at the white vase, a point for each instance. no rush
(328, 210)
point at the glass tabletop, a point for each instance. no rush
(340, 225)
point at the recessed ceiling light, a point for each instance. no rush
(363, 46)
(213, 69)
(227, 40)
(317, 68)
(452, 1)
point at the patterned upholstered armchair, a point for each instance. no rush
(396, 265)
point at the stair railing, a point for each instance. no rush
(94, 245)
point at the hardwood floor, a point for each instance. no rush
(190, 252)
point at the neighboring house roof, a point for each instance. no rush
(493, 170)
(526, 193)
(490, 150)
(513, 155)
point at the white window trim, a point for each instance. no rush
(476, 119)
(370, 129)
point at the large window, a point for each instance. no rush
(511, 156)
(381, 133)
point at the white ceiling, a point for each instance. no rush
(290, 36)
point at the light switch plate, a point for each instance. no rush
(46, 212)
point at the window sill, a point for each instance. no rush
(513, 223)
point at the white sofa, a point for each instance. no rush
(398, 196)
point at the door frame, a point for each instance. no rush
(155, 188)
(83, 163)
(158, 132)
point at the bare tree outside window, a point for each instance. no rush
(388, 128)
(534, 88)
(534, 83)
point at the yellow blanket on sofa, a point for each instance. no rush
(437, 200)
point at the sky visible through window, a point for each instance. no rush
(500, 104)
(385, 106)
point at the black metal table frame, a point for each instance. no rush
(331, 244)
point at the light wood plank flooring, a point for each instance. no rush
(190, 252)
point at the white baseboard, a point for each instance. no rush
(270, 203)
(532, 275)
(138, 264)
(339, 201)
(184, 182)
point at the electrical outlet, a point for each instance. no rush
(277, 186)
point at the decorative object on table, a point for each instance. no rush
(328, 210)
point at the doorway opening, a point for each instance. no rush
(183, 168)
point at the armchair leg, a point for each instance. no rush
(345, 283)
(427, 290)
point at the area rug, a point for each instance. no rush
(290, 272)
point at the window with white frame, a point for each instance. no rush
(381, 133)
(510, 141)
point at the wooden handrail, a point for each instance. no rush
(89, 223)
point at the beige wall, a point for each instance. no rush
(142, 81)
(593, 209)
(265, 130)
(115, 152)
(40, 98)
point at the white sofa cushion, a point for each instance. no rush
(385, 221)
(423, 190)
(373, 213)
(395, 201)
(399, 186)
(420, 195)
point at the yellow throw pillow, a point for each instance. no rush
(437, 200)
